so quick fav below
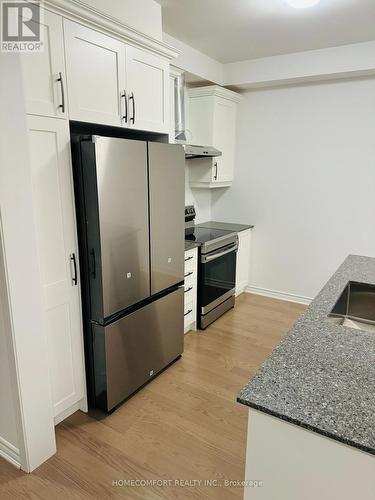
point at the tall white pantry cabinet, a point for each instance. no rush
(53, 198)
(86, 75)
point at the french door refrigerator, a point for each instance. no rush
(130, 206)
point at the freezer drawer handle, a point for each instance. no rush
(188, 274)
(188, 289)
(189, 258)
(188, 312)
(74, 278)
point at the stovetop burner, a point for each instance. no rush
(209, 238)
(205, 234)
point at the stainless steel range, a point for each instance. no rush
(216, 269)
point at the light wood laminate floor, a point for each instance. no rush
(185, 425)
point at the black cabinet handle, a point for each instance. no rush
(215, 176)
(188, 289)
(188, 274)
(188, 312)
(75, 277)
(132, 119)
(62, 105)
(125, 116)
(189, 258)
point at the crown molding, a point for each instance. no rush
(79, 11)
(214, 90)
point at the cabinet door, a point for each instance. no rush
(148, 87)
(167, 185)
(95, 65)
(44, 72)
(224, 138)
(56, 240)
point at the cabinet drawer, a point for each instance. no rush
(189, 296)
(188, 313)
(189, 282)
(189, 255)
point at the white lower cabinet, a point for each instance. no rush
(243, 261)
(190, 295)
(53, 199)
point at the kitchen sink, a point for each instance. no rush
(355, 308)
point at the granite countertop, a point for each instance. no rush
(322, 375)
(189, 245)
(227, 226)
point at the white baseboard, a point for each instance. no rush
(290, 297)
(10, 453)
(80, 405)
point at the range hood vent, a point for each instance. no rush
(194, 151)
(179, 109)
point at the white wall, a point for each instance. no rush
(312, 65)
(195, 62)
(142, 15)
(200, 198)
(305, 176)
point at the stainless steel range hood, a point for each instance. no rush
(194, 151)
(191, 150)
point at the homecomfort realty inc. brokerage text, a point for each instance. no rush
(186, 483)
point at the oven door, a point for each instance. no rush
(217, 277)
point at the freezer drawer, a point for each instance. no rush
(167, 198)
(130, 351)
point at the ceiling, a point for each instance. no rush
(235, 30)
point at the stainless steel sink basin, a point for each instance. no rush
(355, 307)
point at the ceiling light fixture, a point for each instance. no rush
(302, 4)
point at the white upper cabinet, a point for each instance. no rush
(53, 200)
(212, 122)
(44, 72)
(95, 65)
(112, 83)
(148, 89)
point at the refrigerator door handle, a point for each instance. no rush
(93, 272)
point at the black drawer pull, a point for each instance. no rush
(189, 258)
(188, 289)
(188, 274)
(189, 311)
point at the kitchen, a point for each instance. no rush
(268, 146)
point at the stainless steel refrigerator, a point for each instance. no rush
(130, 206)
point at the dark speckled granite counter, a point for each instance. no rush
(322, 375)
(227, 226)
(191, 244)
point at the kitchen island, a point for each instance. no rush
(314, 398)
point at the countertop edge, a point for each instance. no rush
(309, 427)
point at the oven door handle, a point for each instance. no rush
(210, 257)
